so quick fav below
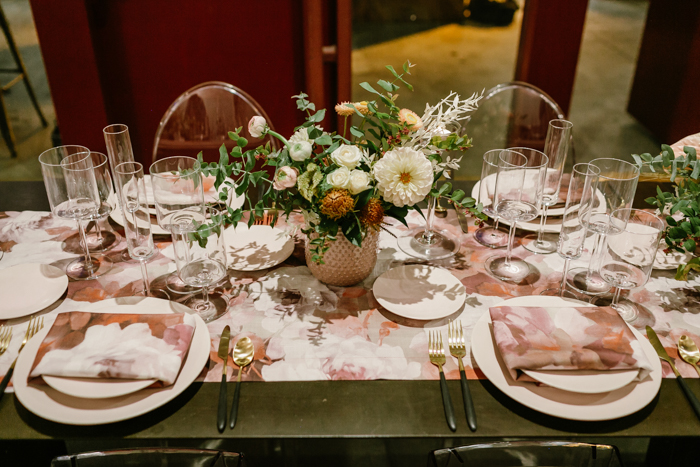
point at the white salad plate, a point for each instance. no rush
(256, 247)
(420, 292)
(554, 401)
(96, 388)
(28, 288)
(48, 403)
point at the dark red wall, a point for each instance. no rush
(126, 61)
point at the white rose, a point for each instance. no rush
(347, 155)
(300, 151)
(339, 178)
(302, 134)
(359, 181)
(257, 126)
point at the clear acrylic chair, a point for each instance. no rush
(200, 119)
(161, 457)
(527, 453)
(514, 114)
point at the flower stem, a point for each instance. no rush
(345, 126)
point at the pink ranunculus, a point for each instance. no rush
(286, 177)
(257, 126)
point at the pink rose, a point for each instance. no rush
(257, 126)
(286, 177)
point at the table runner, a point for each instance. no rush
(305, 330)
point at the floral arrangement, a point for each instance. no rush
(349, 182)
(682, 208)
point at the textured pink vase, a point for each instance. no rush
(345, 264)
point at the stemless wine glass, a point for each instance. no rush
(177, 187)
(579, 203)
(491, 237)
(63, 202)
(518, 186)
(629, 256)
(102, 238)
(617, 184)
(200, 253)
(556, 147)
(137, 220)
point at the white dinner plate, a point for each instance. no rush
(96, 388)
(491, 179)
(116, 216)
(671, 260)
(549, 400)
(53, 405)
(210, 196)
(257, 247)
(584, 381)
(417, 291)
(28, 288)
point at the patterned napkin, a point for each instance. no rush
(106, 345)
(567, 338)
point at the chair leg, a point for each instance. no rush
(6, 129)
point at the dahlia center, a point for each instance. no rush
(405, 178)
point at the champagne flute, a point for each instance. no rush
(518, 186)
(579, 203)
(103, 238)
(617, 184)
(556, 147)
(177, 188)
(491, 237)
(72, 194)
(137, 220)
(629, 257)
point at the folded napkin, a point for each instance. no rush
(566, 338)
(105, 345)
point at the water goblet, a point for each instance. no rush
(577, 211)
(137, 220)
(491, 237)
(556, 147)
(629, 256)
(617, 184)
(200, 254)
(518, 186)
(177, 187)
(72, 192)
(102, 238)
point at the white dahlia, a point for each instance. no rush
(404, 176)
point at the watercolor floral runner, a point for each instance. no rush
(304, 330)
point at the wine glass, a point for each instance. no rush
(491, 237)
(72, 192)
(177, 187)
(617, 184)
(518, 186)
(629, 256)
(103, 238)
(579, 203)
(137, 220)
(556, 147)
(200, 254)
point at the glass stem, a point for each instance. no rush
(205, 294)
(511, 237)
(429, 219)
(543, 221)
(83, 237)
(144, 274)
(562, 286)
(616, 297)
(495, 225)
(99, 230)
(594, 254)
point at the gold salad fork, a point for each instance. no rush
(436, 351)
(455, 340)
(34, 326)
(5, 338)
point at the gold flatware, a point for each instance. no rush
(34, 326)
(5, 338)
(436, 351)
(223, 354)
(242, 356)
(688, 350)
(458, 349)
(663, 355)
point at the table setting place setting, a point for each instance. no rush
(315, 262)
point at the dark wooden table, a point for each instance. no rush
(280, 423)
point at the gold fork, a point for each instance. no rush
(35, 324)
(436, 351)
(455, 340)
(5, 338)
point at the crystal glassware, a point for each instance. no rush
(518, 186)
(137, 220)
(556, 147)
(428, 243)
(577, 211)
(629, 256)
(617, 185)
(72, 192)
(491, 237)
(200, 254)
(177, 187)
(103, 237)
